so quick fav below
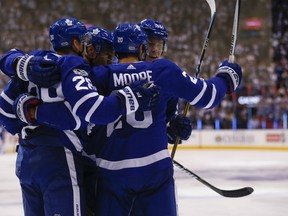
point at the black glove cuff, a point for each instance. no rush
(15, 62)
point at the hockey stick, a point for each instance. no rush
(212, 6)
(234, 32)
(232, 48)
(225, 193)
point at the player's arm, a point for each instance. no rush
(199, 92)
(172, 108)
(8, 62)
(7, 117)
(58, 115)
(31, 110)
(89, 105)
(39, 68)
(86, 102)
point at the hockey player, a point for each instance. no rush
(134, 165)
(100, 44)
(157, 45)
(157, 38)
(99, 49)
(50, 175)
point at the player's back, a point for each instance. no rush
(137, 140)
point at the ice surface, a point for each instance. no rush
(265, 171)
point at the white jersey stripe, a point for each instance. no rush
(74, 140)
(200, 95)
(83, 99)
(9, 115)
(76, 118)
(74, 181)
(212, 98)
(6, 98)
(133, 163)
(93, 108)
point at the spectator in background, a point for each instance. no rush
(186, 25)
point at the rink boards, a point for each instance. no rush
(237, 139)
(270, 139)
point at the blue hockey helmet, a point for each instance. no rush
(64, 30)
(100, 38)
(128, 37)
(154, 29)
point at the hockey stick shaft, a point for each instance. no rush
(212, 7)
(205, 45)
(225, 193)
(234, 32)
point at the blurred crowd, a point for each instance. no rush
(261, 52)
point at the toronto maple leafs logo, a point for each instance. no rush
(68, 22)
(95, 31)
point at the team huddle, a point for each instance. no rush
(94, 117)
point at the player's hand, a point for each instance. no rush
(139, 96)
(40, 70)
(232, 72)
(24, 108)
(179, 126)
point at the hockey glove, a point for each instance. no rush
(232, 72)
(179, 126)
(24, 108)
(139, 96)
(40, 70)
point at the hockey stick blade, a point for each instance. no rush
(225, 193)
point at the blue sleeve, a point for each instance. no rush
(199, 92)
(41, 52)
(8, 65)
(7, 117)
(7, 62)
(84, 99)
(58, 115)
(172, 106)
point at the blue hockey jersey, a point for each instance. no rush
(137, 142)
(75, 88)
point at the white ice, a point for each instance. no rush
(265, 171)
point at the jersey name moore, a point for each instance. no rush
(123, 79)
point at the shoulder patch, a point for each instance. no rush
(80, 72)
